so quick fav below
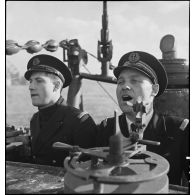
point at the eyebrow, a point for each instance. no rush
(36, 78)
(132, 76)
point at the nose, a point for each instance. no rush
(126, 87)
(31, 85)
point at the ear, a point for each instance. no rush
(155, 89)
(56, 85)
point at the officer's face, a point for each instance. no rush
(132, 84)
(41, 89)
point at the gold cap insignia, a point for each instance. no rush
(36, 61)
(134, 57)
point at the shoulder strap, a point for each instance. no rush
(184, 124)
(82, 114)
(175, 124)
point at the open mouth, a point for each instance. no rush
(127, 98)
(34, 95)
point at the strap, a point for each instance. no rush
(82, 114)
(184, 124)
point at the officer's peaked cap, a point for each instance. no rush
(49, 64)
(145, 63)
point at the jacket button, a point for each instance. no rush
(53, 161)
(34, 157)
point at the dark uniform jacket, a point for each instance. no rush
(59, 123)
(172, 132)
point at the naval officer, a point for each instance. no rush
(141, 75)
(54, 121)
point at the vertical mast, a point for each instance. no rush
(104, 46)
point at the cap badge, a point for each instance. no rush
(134, 57)
(36, 61)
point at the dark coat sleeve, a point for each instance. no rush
(179, 149)
(72, 127)
(84, 131)
(81, 132)
(105, 130)
(186, 152)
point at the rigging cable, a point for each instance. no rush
(92, 55)
(102, 86)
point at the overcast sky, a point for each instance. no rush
(133, 25)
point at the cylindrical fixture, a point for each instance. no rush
(116, 148)
(167, 46)
(98, 188)
(105, 67)
(74, 92)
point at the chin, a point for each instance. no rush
(127, 109)
(129, 112)
(34, 103)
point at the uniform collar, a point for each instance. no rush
(46, 113)
(129, 122)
